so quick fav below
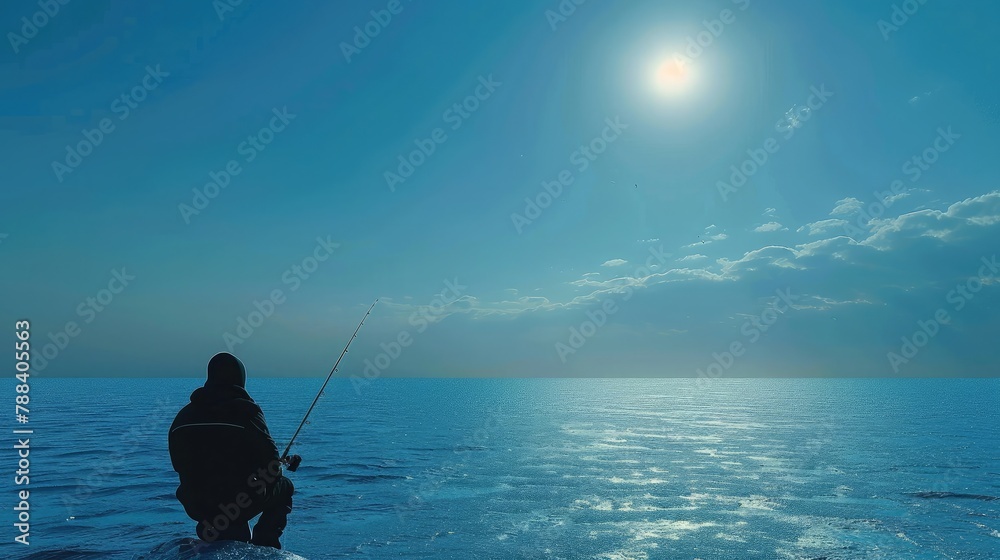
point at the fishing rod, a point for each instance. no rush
(284, 456)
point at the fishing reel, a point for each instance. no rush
(292, 462)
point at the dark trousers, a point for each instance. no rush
(223, 519)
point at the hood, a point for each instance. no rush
(224, 369)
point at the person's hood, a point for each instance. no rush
(224, 369)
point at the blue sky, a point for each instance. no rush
(652, 260)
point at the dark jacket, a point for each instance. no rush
(218, 441)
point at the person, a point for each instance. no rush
(227, 462)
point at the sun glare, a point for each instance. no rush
(672, 71)
(672, 75)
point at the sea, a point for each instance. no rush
(615, 469)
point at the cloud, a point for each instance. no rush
(839, 247)
(433, 312)
(770, 212)
(708, 239)
(611, 283)
(953, 224)
(847, 206)
(823, 227)
(653, 240)
(820, 303)
(863, 295)
(677, 274)
(770, 226)
(507, 308)
(826, 259)
(615, 262)
(893, 198)
(772, 255)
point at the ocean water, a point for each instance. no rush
(545, 468)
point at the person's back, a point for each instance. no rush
(227, 463)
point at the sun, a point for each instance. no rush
(671, 71)
(672, 75)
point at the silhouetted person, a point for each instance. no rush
(227, 462)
